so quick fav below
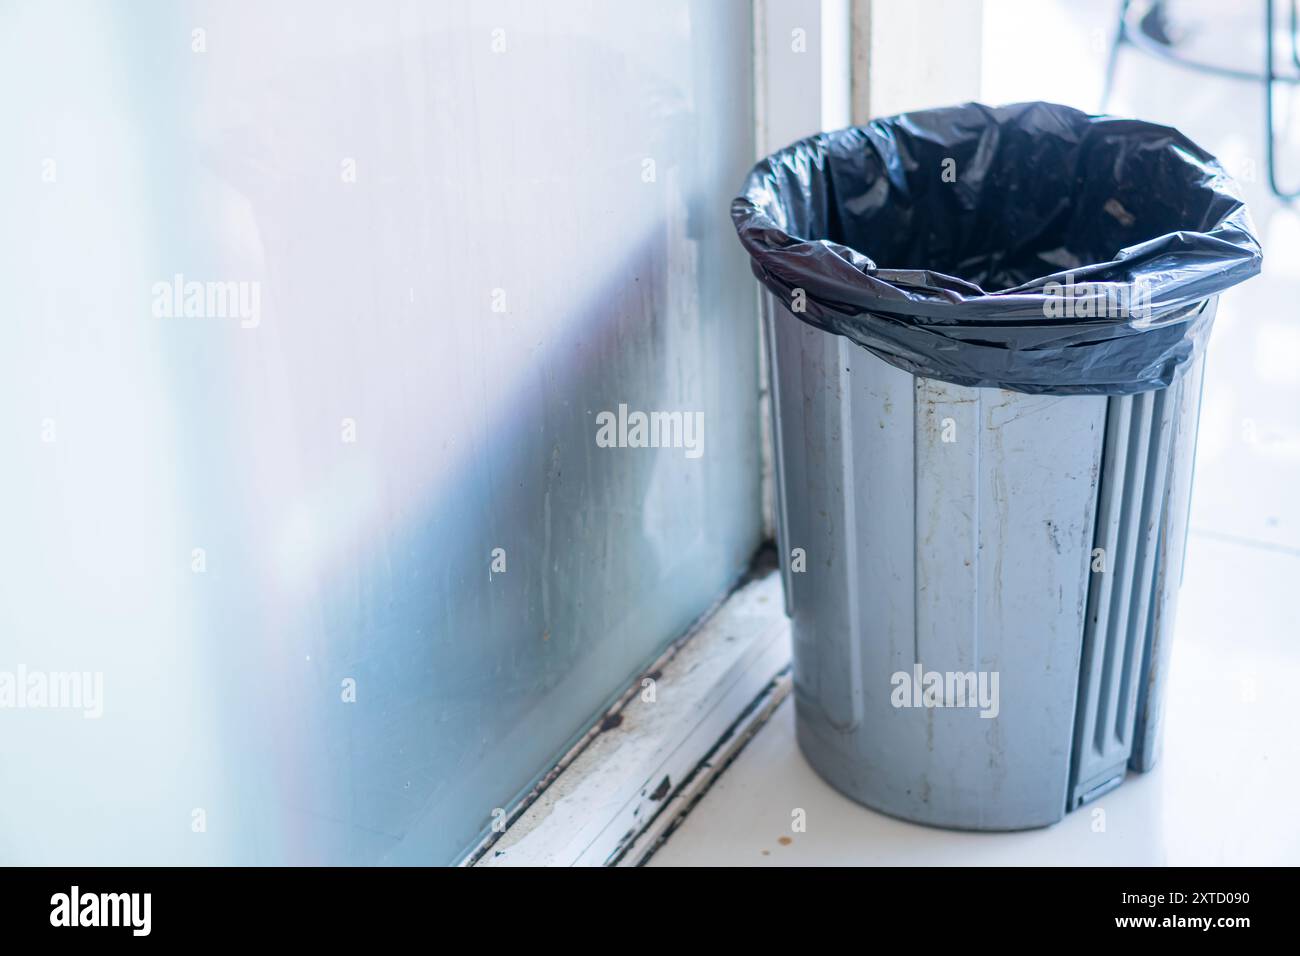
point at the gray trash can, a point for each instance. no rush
(956, 530)
(982, 504)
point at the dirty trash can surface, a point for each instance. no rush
(986, 330)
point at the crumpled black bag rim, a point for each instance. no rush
(945, 327)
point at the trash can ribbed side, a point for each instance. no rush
(1141, 534)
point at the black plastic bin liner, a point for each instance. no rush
(1030, 247)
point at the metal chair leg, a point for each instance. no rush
(1112, 60)
(1271, 77)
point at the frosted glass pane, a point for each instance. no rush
(312, 306)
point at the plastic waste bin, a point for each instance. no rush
(986, 331)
